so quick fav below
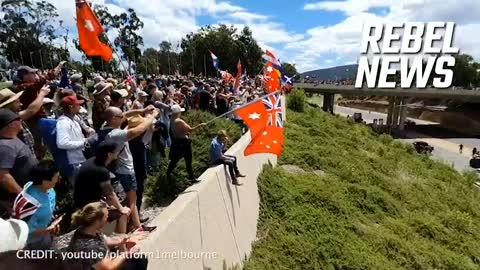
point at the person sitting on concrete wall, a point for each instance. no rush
(217, 156)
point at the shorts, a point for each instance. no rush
(128, 181)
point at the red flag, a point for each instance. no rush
(273, 78)
(89, 29)
(236, 86)
(265, 120)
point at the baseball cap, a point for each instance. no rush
(47, 101)
(142, 94)
(177, 109)
(6, 117)
(14, 234)
(98, 79)
(122, 92)
(22, 70)
(76, 77)
(72, 100)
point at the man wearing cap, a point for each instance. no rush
(11, 101)
(76, 83)
(70, 135)
(31, 83)
(100, 103)
(181, 142)
(124, 169)
(140, 101)
(118, 99)
(16, 160)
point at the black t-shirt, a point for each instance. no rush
(204, 100)
(87, 183)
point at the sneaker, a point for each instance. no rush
(236, 183)
(144, 228)
(239, 175)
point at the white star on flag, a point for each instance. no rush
(269, 69)
(89, 25)
(254, 116)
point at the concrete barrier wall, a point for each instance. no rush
(213, 224)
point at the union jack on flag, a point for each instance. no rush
(273, 105)
(25, 205)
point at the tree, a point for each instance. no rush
(227, 45)
(465, 71)
(27, 32)
(290, 69)
(128, 24)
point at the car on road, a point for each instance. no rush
(423, 147)
(475, 161)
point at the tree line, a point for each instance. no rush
(30, 28)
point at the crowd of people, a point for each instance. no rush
(106, 134)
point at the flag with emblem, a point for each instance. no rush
(265, 121)
(272, 78)
(89, 30)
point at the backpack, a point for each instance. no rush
(48, 130)
(101, 135)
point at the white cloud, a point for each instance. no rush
(312, 48)
(349, 7)
(247, 16)
(344, 38)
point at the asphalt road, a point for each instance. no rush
(445, 142)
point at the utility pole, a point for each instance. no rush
(41, 59)
(193, 64)
(205, 65)
(168, 56)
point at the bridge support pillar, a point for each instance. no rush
(391, 107)
(328, 102)
(403, 114)
(396, 111)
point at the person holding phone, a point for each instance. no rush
(36, 205)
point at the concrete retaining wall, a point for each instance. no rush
(213, 217)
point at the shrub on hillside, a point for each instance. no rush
(379, 205)
(296, 100)
(157, 186)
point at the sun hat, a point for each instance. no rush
(7, 96)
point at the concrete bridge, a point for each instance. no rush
(397, 108)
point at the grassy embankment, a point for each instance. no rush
(379, 206)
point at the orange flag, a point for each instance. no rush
(236, 86)
(265, 120)
(89, 29)
(272, 83)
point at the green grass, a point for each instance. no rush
(4, 85)
(380, 205)
(157, 185)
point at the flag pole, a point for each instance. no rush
(241, 107)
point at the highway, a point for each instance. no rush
(445, 142)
